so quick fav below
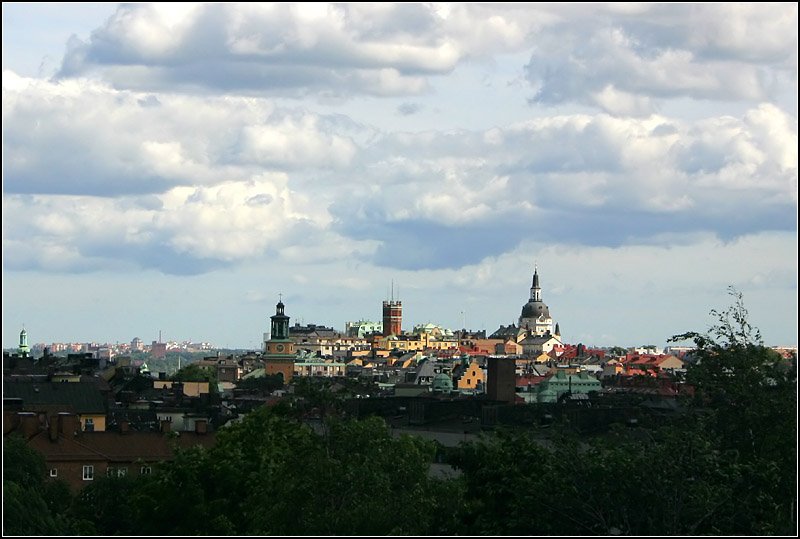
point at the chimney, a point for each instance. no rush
(68, 424)
(166, 425)
(200, 426)
(124, 426)
(29, 423)
(52, 428)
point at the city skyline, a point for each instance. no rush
(176, 167)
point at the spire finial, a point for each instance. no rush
(280, 297)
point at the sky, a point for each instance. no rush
(179, 167)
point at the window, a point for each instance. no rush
(121, 471)
(88, 473)
(88, 425)
(145, 470)
(53, 472)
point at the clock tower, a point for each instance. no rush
(279, 349)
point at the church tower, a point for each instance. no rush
(24, 350)
(535, 317)
(279, 349)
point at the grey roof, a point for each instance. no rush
(535, 309)
(539, 369)
(312, 329)
(425, 369)
(504, 332)
(77, 397)
(538, 339)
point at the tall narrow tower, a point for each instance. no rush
(392, 316)
(24, 350)
(279, 349)
(536, 290)
(535, 317)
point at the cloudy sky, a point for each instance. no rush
(176, 167)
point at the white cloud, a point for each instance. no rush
(328, 147)
(261, 47)
(294, 142)
(212, 163)
(227, 223)
(713, 51)
(620, 103)
(107, 141)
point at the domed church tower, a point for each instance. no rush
(535, 317)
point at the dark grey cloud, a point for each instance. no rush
(407, 109)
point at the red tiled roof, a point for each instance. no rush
(529, 379)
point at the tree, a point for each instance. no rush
(195, 373)
(266, 384)
(749, 395)
(747, 387)
(273, 475)
(103, 503)
(617, 351)
(727, 467)
(31, 504)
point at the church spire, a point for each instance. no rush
(536, 291)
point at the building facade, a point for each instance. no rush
(362, 328)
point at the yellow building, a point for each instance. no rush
(473, 375)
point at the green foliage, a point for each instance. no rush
(26, 513)
(748, 388)
(195, 373)
(271, 475)
(33, 505)
(360, 468)
(617, 351)
(727, 468)
(266, 384)
(750, 397)
(21, 464)
(100, 503)
(138, 383)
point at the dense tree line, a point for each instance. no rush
(728, 467)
